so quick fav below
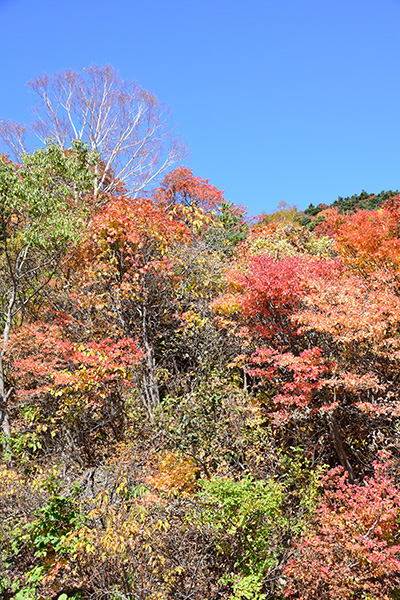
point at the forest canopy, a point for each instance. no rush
(194, 403)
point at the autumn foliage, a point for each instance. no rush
(201, 405)
(351, 547)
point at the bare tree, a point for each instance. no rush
(123, 123)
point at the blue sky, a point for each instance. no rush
(294, 100)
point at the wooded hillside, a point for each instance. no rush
(195, 404)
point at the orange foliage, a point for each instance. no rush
(174, 475)
(369, 240)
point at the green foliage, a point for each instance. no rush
(312, 210)
(349, 205)
(247, 519)
(207, 424)
(53, 521)
(251, 519)
(41, 194)
(27, 593)
(43, 536)
(363, 201)
(23, 446)
(287, 240)
(193, 428)
(302, 483)
(233, 228)
(313, 224)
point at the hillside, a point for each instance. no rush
(194, 404)
(311, 216)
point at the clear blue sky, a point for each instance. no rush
(294, 100)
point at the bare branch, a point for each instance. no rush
(119, 120)
(13, 136)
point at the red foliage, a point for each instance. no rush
(51, 363)
(267, 292)
(271, 290)
(296, 303)
(181, 187)
(296, 377)
(350, 549)
(269, 295)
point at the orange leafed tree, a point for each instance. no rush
(369, 240)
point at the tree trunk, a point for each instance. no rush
(339, 447)
(150, 391)
(4, 418)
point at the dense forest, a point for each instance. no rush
(194, 404)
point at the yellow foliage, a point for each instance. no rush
(174, 475)
(11, 483)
